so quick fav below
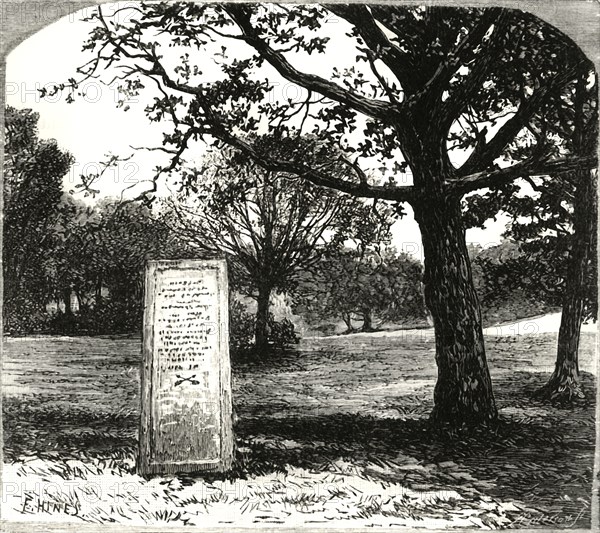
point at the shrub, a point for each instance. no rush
(241, 327)
(282, 333)
(22, 316)
(113, 316)
(325, 329)
(110, 317)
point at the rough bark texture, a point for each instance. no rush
(564, 384)
(261, 333)
(463, 392)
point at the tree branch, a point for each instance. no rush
(316, 175)
(362, 19)
(497, 178)
(376, 109)
(485, 156)
(447, 68)
(461, 95)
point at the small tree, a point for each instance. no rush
(557, 225)
(270, 225)
(349, 282)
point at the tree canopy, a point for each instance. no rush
(55, 246)
(444, 74)
(270, 226)
(33, 174)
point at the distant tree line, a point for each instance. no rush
(352, 284)
(75, 267)
(68, 266)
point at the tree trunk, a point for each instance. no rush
(81, 305)
(66, 296)
(347, 318)
(367, 320)
(564, 383)
(261, 332)
(463, 392)
(98, 292)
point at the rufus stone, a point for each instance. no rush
(186, 418)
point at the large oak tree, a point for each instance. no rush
(399, 87)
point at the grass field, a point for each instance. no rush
(333, 433)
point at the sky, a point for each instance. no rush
(93, 126)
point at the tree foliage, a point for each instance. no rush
(542, 225)
(471, 70)
(505, 280)
(558, 227)
(101, 259)
(349, 283)
(56, 247)
(33, 173)
(270, 226)
(542, 208)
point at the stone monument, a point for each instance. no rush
(186, 417)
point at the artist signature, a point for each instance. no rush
(39, 505)
(558, 518)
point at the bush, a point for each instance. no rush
(113, 317)
(109, 317)
(282, 333)
(62, 324)
(22, 316)
(241, 327)
(125, 316)
(325, 329)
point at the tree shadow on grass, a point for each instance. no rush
(536, 454)
(34, 428)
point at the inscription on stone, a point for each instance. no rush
(186, 422)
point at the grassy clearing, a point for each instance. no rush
(336, 430)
